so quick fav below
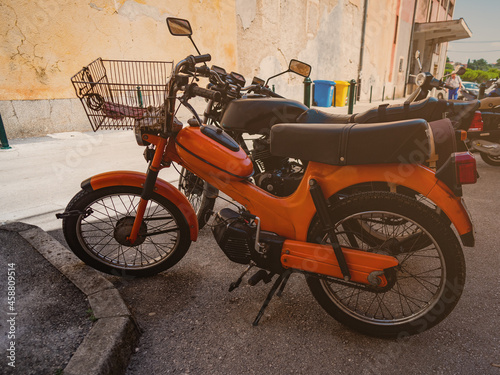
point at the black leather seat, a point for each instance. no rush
(431, 109)
(353, 144)
(314, 116)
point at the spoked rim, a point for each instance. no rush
(107, 221)
(192, 187)
(420, 276)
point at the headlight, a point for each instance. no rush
(420, 79)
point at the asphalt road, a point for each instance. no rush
(192, 324)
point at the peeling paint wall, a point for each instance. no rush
(327, 35)
(319, 32)
(44, 43)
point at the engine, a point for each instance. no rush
(278, 176)
(235, 235)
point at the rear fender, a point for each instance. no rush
(413, 176)
(137, 179)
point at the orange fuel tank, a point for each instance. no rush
(212, 150)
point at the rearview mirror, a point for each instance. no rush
(460, 70)
(300, 68)
(179, 27)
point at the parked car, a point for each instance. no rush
(469, 91)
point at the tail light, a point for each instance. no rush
(458, 170)
(465, 165)
(477, 123)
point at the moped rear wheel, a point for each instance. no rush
(491, 160)
(425, 286)
(195, 190)
(102, 220)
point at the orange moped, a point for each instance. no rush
(381, 262)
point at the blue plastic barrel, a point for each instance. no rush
(323, 93)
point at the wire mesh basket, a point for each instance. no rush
(123, 94)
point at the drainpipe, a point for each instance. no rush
(410, 48)
(363, 30)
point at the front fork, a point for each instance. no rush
(148, 188)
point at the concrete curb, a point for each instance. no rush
(108, 346)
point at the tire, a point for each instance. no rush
(422, 290)
(195, 189)
(97, 235)
(491, 160)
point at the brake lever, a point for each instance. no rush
(184, 101)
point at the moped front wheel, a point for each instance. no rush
(422, 290)
(100, 221)
(196, 191)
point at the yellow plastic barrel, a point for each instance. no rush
(342, 88)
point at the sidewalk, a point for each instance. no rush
(60, 314)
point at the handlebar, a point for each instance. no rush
(200, 58)
(194, 90)
(202, 70)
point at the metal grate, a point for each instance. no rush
(123, 94)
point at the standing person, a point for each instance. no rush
(455, 82)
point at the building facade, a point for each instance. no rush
(44, 42)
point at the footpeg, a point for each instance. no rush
(260, 275)
(68, 214)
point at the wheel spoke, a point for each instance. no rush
(418, 279)
(98, 232)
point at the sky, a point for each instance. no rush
(483, 19)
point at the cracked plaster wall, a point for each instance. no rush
(45, 42)
(324, 33)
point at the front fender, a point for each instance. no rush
(137, 179)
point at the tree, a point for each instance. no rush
(470, 75)
(480, 64)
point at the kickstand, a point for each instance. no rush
(283, 278)
(283, 284)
